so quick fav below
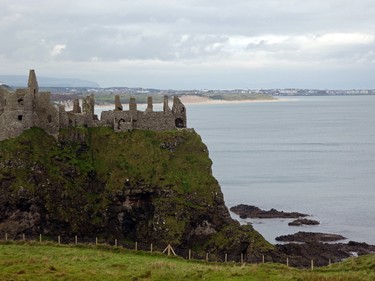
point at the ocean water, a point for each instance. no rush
(314, 155)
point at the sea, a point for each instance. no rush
(314, 155)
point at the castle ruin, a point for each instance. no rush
(26, 108)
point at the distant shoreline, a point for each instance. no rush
(186, 99)
(205, 100)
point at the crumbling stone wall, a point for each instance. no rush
(28, 108)
(125, 120)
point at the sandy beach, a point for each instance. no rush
(186, 99)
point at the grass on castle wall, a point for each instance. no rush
(34, 261)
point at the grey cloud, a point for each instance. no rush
(186, 32)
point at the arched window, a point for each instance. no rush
(179, 123)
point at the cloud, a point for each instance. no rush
(158, 38)
(57, 49)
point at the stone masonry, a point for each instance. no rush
(26, 108)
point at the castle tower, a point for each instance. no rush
(166, 108)
(88, 105)
(179, 113)
(118, 105)
(149, 105)
(76, 106)
(2, 100)
(33, 83)
(133, 109)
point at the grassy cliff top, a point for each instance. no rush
(34, 261)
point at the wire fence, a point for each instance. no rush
(185, 253)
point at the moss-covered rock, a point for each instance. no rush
(139, 186)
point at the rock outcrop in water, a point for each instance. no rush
(248, 211)
(302, 236)
(299, 222)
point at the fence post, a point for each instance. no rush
(287, 261)
(329, 262)
(226, 257)
(6, 236)
(206, 256)
(169, 250)
(40, 238)
(312, 264)
(116, 242)
(189, 254)
(75, 239)
(23, 237)
(151, 248)
(241, 258)
(262, 258)
(58, 239)
(136, 246)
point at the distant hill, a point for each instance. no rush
(21, 81)
(6, 87)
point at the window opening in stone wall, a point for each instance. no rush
(120, 123)
(20, 101)
(20, 117)
(49, 118)
(179, 123)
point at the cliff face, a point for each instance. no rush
(139, 186)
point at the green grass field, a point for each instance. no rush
(35, 261)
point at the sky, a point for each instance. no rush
(191, 44)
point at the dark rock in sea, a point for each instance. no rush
(248, 211)
(310, 237)
(301, 254)
(299, 222)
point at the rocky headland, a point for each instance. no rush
(146, 186)
(154, 187)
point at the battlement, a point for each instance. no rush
(123, 120)
(28, 108)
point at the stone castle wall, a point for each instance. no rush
(28, 108)
(167, 119)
